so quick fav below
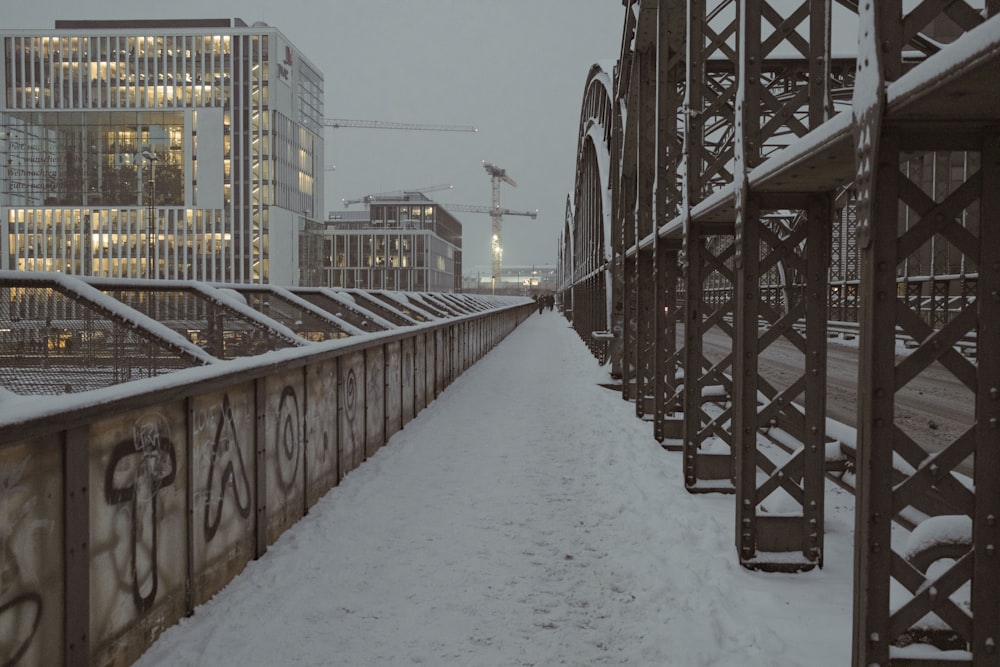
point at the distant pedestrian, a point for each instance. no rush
(550, 301)
(541, 303)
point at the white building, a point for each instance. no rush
(187, 149)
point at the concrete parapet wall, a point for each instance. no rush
(118, 519)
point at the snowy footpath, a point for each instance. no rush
(526, 517)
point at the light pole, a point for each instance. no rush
(152, 159)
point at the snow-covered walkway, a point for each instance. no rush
(526, 517)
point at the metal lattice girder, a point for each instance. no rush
(644, 78)
(924, 588)
(884, 439)
(707, 463)
(668, 197)
(768, 478)
(793, 81)
(666, 359)
(780, 490)
(710, 93)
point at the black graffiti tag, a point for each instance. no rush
(139, 468)
(227, 470)
(288, 438)
(21, 614)
(24, 612)
(350, 394)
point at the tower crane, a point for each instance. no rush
(475, 208)
(388, 125)
(497, 175)
(367, 199)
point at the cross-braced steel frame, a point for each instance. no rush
(757, 194)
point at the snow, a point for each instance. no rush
(972, 49)
(525, 517)
(939, 530)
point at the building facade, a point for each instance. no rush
(405, 242)
(160, 149)
(525, 280)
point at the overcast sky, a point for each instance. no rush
(515, 69)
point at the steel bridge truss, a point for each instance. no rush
(757, 189)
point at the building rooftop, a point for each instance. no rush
(123, 24)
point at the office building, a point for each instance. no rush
(404, 242)
(188, 149)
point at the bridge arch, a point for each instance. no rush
(587, 236)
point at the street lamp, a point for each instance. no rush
(151, 157)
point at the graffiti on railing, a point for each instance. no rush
(226, 470)
(288, 439)
(21, 614)
(138, 470)
(350, 395)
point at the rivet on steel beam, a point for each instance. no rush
(994, 393)
(932, 593)
(876, 547)
(874, 638)
(934, 470)
(993, 422)
(991, 520)
(990, 644)
(990, 550)
(813, 430)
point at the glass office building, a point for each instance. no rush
(400, 243)
(160, 149)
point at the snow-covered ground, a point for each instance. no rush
(526, 517)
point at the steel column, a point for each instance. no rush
(645, 67)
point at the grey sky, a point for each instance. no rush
(513, 68)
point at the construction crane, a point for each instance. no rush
(496, 214)
(367, 199)
(387, 125)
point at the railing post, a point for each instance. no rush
(76, 550)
